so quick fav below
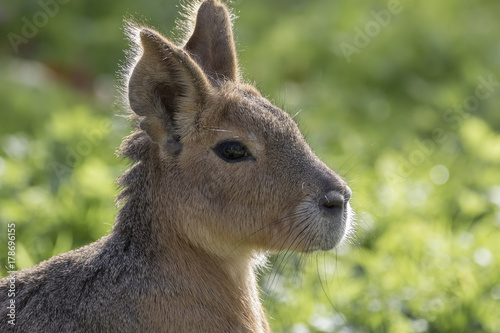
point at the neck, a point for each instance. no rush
(189, 288)
(216, 294)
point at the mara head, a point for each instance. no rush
(224, 167)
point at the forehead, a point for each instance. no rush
(243, 109)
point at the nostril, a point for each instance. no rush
(333, 199)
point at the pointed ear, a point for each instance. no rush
(167, 88)
(212, 44)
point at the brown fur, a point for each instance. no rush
(193, 227)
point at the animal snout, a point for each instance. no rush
(335, 200)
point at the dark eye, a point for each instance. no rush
(232, 151)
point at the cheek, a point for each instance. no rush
(216, 191)
(236, 199)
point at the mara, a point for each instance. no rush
(219, 177)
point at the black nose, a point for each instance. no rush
(332, 199)
(336, 199)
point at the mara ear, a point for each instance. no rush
(212, 44)
(167, 88)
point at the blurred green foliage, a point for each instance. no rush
(409, 119)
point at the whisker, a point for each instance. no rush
(285, 253)
(346, 174)
(293, 215)
(290, 250)
(304, 256)
(296, 114)
(217, 130)
(326, 291)
(361, 150)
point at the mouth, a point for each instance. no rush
(336, 228)
(327, 228)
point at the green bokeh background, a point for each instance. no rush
(407, 119)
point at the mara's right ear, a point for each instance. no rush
(212, 43)
(167, 88)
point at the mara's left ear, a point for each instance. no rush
(212, 44)
(168, 89)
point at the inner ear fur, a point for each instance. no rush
(167, 88)
(212, 43)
